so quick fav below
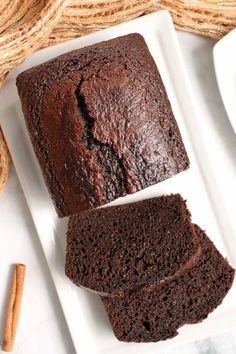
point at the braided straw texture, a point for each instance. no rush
(26, 25)
(4, 162)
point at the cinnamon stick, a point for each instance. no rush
(13, 307)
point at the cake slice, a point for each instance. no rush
(101, 123)
(155, 314)
(117, 249)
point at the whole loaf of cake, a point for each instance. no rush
(100, 123)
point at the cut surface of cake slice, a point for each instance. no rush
(156, 313)
(117, 249)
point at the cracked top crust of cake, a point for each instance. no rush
(100, 123)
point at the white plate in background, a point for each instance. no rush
(84, 313)
(224, 54)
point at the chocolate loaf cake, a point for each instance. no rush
(117, 249)
(155, 314)
(100, 123)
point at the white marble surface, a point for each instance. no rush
(42, 328)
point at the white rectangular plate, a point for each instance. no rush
(224, 55)
(84, 313)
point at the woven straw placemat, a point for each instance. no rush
(26, 25)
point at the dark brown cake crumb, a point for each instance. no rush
(117, 249)
(156, 314)
(101, 123)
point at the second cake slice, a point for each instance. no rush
(117, 249)
(155, 314)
